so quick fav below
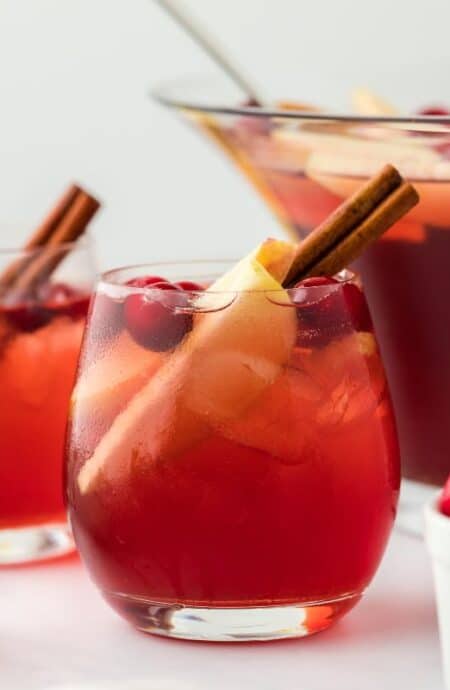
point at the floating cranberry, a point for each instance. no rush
(28, 317)
(189, 286)
(317, 281)
(357, 309)
(154, 324)
(436, 110)
(325, 314)
(146, 281)
(249, 125)
(444, 149)
(63, 299)
(444, 501)
(76, 308)
(443, 145)
(308, 301)
(51, 300)
(251, 103)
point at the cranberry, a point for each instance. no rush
(63, 299)
(309, 301)
(189, 286)
(247, 125)
(155, 325)
(76, 308)
(51, 300)
(436, 110)
(443, 146)
(444, 501)
(145, 281)
(325, 314)
(28, 317)
(443, 149)
(251, 103)
(358, 311)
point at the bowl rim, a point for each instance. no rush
(161, 94)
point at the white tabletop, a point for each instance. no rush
(57, 633)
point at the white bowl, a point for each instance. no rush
(437, 535)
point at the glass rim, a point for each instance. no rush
(80, 243)
(110, 278)
(160, 93)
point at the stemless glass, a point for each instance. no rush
(236, 479)
(40, 338)
(304, 164)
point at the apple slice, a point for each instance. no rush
(366, 102)
(119, 369)
(106, 386)
(319, 389)
(339, 162)
(342, 176)
(282, 421)
(350, 373)
(299, 145)
(276, 256)
(223, 365)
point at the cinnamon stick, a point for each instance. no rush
(41, 235)
(71, 226)
(381, 219)
(44, 231)
(344, 219)
(360, 220)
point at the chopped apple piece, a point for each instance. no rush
(288, 404)
(224, 364)
(342, 175)
(366, 102)
(298, 105)
(346, 357)
(351, 372)
(414, 163)
(333, 149)
(108, 383)
(123, 364)
(319, 389)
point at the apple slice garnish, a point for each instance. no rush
(107, 384)
(222, 366)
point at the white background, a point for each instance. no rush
(56, 633)
(75, 77)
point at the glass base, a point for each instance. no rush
(231, 624)
(40, 542)
(413, 496)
